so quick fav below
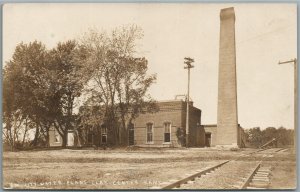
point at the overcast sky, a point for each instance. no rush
(265, 34)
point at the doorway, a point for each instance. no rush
(207, 139)
(131, 134)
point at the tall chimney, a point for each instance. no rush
(227, 125)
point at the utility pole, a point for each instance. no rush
(295, 97)
(188, 61)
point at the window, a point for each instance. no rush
(167, 134)
(103, 134)
(149, 132)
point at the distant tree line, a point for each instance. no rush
(42, 87)
(255, 137)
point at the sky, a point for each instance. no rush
(265, 35)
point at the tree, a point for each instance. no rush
(254, 136)
(41, 86)
(23, 87)
(90, 120)
(67, 82)
(257, 137)
(119, 80)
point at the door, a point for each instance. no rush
(70, 139)
(207, 139)
(131, 135)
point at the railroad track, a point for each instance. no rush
(229, 174)
(259, 179)
(270, 150)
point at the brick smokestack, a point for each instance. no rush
(227, 125)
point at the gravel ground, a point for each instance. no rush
(90, 169)
(226, 177)
(132, 169)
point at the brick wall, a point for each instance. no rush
(168, 112)
(212, 129)
(175, 113)
(227, 88)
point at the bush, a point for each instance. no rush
(181, 136)
(234, 149)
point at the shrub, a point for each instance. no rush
(234, 149)
(180, 133)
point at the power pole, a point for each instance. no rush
(295, 97)
(188, 61)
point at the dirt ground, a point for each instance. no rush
(137, 168)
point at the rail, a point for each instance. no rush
(191, 177)
(244, 185)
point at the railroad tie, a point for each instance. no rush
(235, 186)
(258, 184)
(255, 188)
(283, 150)
(208, 173)
(264, 171)
(265, 168)
(166, 183)
(173, 180)
(261, 176)
(261, 180)
(169, 182)
(155, 187)
(240, 183)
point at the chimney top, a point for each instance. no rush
(227, 13)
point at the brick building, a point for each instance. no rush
(164, 128)
(211, 139)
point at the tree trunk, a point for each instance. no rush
(122, 134)
(36, 136)
(47, 137)
(25, 132)
(65, 139)
(11, 140)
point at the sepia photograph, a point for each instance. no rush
(152, 96)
